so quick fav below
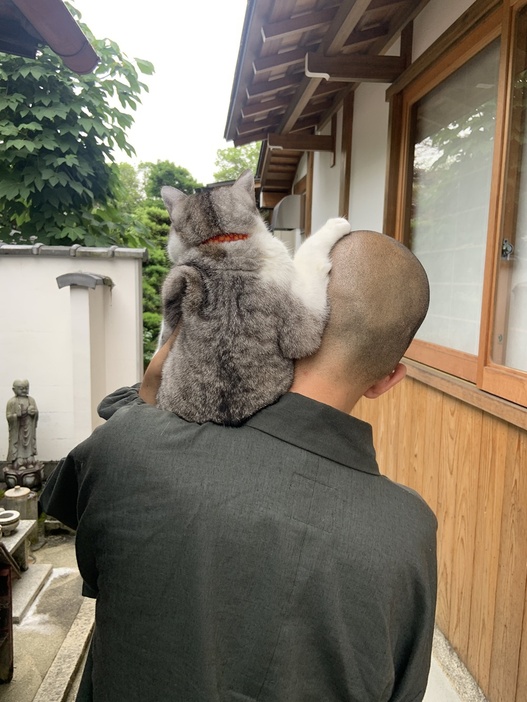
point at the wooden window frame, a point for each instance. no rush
(493, 377)
(484, 22)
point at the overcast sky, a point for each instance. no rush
(193, 46)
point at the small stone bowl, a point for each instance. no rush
(9, 520)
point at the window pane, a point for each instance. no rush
(452, 162)
(509, 346)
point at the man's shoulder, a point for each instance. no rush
(418, 507)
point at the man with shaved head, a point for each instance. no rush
(271, 561)
(379, 298)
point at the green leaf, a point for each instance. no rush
(19, 144)
(145, 66)
(7, 128)
(32, 126)
(8, 190)
(53, 182)
(11, 101)
(39, 183)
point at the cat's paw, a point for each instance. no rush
(338, 227)
(328, 235)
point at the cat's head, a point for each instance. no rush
(221, 216)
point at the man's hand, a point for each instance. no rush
(152, 377)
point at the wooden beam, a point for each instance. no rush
(250, 46)
(308, 213)
(354, 69)
(279, 176)
(407, 42)
(286, 157)
(395, 131)
(299, 24)
(271, 86)
(299, 188)
(298, 104)
(250, 138)
(347, 18)
(366, 36)
(283, 60)
(270, 199)
(261, 108)
(345, 155)
(285, 187)
(326, 88)
(299, 142)
(404, 17)
(263, 158)
(317, 106)
(278, 168)
(383, 4)
(252, 125)
(309, 122)
(281, 10)
(334, 135)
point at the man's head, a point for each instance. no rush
(378, 293)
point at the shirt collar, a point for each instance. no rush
(320, 429)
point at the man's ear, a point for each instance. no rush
(382, 386)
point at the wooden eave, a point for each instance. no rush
(298, 60)
(26, 26)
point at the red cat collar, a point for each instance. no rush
(223, 238)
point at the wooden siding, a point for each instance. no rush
(471, 468)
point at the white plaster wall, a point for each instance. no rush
(36, 344)
(368, 157)
(436, 18)
(326, 179)
(124, 323)
(36, 339)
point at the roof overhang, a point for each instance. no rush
(26, 25)
(298, 61)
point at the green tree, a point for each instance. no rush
(140, 200)
(161, 173)
(156, 220)
(233, 160)
(57, 134)
(131, 192)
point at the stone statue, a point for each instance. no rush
(22, 418)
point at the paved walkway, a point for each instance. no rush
(51, 640)
(440, 689)
(44, 628)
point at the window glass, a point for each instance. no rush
(453, 127)
(509, 340)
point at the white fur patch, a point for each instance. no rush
(313, 264)
(175, 247)
(277, 264)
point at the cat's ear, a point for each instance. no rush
(172, 197)
(246, 180)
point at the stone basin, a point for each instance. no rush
(9, 520)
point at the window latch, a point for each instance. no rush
(507, 249)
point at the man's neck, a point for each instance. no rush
(310, 382)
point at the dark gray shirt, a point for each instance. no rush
(267, 562)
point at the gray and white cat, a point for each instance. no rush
(246, 309)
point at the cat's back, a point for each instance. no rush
(226, 362)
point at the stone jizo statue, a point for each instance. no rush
(22, 418)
